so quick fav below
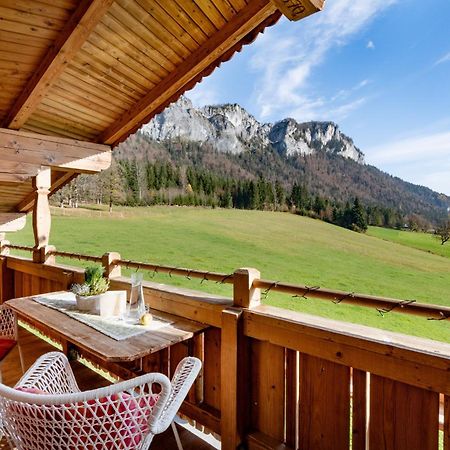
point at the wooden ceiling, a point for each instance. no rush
(96, 70)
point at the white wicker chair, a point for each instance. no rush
(126, 415)
(9, 336)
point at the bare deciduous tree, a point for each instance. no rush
(443, 232)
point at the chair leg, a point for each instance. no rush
(22, 362)
(177, 436)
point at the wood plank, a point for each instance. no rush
(292, 397)
(446, 430)
(324, 418)
(6, 281)
(134, 24)
(177, 13)
(134, 40)
(29, 18)
(211, 368)
(248, 19)
(12, 222)
(235, 378)
(38, 8)
(259, 441)
(47, 271)
(19, 147)
(71, 39)
(359, 416)
(268, 389)
(402, 417)
(157, 28)
(417, 361)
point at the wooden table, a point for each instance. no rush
(74, 335)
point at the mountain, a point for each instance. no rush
(222, 156)
(230, 128)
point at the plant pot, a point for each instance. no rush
(109, 304)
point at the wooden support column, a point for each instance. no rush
(235, 380)
(111, 270)
(244, 294)
(41, 213)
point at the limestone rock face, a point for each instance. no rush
(230, 128)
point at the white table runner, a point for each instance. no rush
(115, 328)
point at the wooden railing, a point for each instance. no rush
(276, 379)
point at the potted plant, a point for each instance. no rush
(93, 296)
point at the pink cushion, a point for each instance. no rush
(130, 424)
(6, 345)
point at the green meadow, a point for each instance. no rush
(284, 247)
(422, 241)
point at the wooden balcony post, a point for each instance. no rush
(41, 212)
(111, 270)
(235, 380)
(244, 294)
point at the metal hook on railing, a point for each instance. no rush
(383, 311)
(188, 276)
(138, 268)
(171, 270)
(265, 293)
(346, 296)
(155, 271)
(225, 278)
(205, 278)
(309, 289)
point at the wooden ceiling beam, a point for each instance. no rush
(12, 222)
(223, 40)
(75, 33)
(22, 154)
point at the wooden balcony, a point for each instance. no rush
(275, 379)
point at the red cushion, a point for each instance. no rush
(130, 424)
(6, 345)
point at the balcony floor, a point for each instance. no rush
(33, 347)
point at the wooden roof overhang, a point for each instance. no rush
(79, 76)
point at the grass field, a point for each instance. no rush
(422, 241)
(282, 246)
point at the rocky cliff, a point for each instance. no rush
(231, 129)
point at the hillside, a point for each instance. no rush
(282, 246)
(227, 144)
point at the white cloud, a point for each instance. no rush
(288, 54)
(444, 59)
(202, 95)
(419, 159)
(370, 45)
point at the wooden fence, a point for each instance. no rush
(276, 379)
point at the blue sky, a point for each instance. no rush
(378, 68)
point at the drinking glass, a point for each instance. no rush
(136, 305)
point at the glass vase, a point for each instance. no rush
(136, 305)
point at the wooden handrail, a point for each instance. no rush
(382, 304)
(173, 270)
(25, 248)
(78, 256)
